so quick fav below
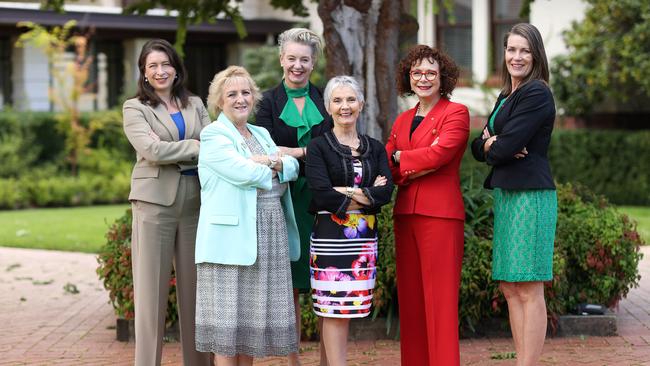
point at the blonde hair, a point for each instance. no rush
(215, 92)
(302, 36)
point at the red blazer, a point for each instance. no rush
(438, 193)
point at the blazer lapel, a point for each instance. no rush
(163, 116)
(237, 138)
(431, 121)
(281, 98)
(317, 98)
(402, 138)
(261, 138)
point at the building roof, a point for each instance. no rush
(115, 25)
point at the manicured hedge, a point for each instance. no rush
(58, 191)
(35, 173)
(613, 163)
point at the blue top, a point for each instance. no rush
(180, 124)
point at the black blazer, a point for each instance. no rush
(268, 116)
(525, 120)
(329, 164)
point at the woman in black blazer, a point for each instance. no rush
(515, 143)
(292, 123)
(350, 179)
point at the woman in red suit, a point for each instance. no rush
(425, 148)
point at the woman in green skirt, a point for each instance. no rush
(293, 112)
(515, 144)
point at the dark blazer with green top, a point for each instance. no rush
(525, 120)
(268, 116)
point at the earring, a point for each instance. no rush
(146, 80)
(176, 77)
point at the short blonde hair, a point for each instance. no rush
(215, 92)
(302, 36)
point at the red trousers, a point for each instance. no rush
(429, 256)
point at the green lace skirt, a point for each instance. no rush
(524, 233)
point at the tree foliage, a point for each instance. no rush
(71, 81)
(608, 57)
(192, 12)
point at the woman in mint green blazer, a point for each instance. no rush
(247, 233)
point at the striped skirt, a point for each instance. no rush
(343, 257)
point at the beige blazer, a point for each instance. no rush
(160, 155)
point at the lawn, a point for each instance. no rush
(642, 216)
(82, 229)
(77, 229)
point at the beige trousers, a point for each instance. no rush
(165, 236)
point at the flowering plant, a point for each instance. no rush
(114, 270)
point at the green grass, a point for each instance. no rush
(642, 216)
(82, 229)
(76, 229)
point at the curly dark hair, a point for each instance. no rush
(449, 71)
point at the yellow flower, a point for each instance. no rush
(371, 221)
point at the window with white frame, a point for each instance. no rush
(454, 34)
(504, 14)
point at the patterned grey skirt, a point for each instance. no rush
(248, 310)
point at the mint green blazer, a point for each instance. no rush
(227, 229)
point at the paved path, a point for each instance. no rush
(43, 324)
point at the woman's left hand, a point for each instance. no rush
(486, 133)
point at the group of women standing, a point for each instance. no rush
(289, 205)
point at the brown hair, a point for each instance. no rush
(215, 92)
(449, 72)
(540, 63)
(145, 92)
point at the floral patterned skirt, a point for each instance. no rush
(343, 256)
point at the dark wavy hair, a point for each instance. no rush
(449, 71)
(146, 93)
(540, 62)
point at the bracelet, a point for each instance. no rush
(349, 192)
(304, 153)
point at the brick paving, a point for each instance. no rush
(43, 324)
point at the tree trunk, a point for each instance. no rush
(361, 40)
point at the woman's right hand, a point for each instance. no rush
(380, 181)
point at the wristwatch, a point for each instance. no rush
(393, 157)
(349, 192)
(272, 161)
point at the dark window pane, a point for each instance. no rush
(507, 9)
(462, 12)
(505, 14)
(458, 45)
(456, 38)
(5, 72)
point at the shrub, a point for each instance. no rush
(45, 187)
(609, 162)
(115, 271)
(595, 259)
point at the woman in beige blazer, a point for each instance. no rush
(163, 123)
